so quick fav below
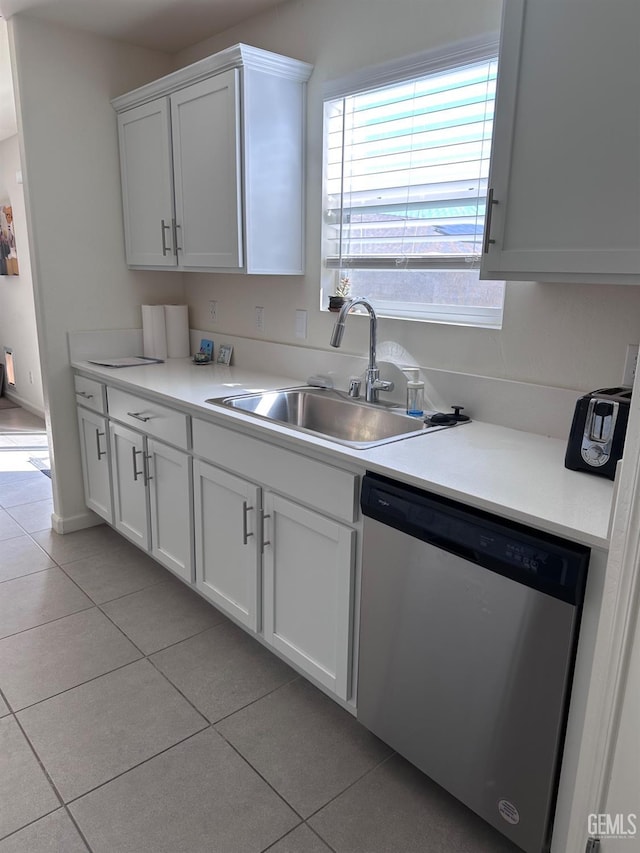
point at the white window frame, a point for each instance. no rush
(457, 54)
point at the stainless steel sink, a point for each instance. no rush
(329, 414)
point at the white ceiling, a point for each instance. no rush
(168, 25)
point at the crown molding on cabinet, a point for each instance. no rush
(238, 56)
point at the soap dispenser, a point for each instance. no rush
(415, 392)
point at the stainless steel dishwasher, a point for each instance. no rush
(469, 626)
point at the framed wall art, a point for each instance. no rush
(8, 256)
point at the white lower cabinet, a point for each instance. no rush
(94, 452)
(270, 539)
(309, 564)
(279, 566)
(131, 509)
(226, 511)
(169, 480)
(152, 497)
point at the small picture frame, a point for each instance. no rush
(206, 346)
(224, 354)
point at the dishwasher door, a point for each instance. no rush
(465, 662)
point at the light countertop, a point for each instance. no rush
(515, 474)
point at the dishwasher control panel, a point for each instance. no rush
(534, 558)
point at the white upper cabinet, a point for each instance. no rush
(147, 189)
(565, 161)
(212, 165)
(205, 118)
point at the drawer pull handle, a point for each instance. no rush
(101, 453)
(245, 509)
(85, 394)
(139, 416)
(136, 473)
(263, 542)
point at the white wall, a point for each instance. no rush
(571, 336)
(17, 310)
(65, 80)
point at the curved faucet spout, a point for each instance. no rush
(373, 383)
(338, 329)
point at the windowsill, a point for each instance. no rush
(445, 320)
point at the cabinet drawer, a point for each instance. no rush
(89, 394)
(149, 417)
(328, 489)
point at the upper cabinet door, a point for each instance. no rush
(565, 162)
(147, 191)
(205, 119)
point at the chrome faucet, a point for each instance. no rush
(372, 383)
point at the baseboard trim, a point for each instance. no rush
(70, 524)
(24, 404)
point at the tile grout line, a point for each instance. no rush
(296, 677)
(155, 651)
(30, 823)
(100, 604)
(259, 774)
(27, 574)
(77, 826)
(47, 621)
(38, 759)
(310, 828)
(349, 786)
(74, 800)
(80, 684)
(317, 834)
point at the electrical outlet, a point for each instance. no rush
(301, 324)
(213, 311)
(630, 364)
(259, 318)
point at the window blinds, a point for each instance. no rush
(406, 172)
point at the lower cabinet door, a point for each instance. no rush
(130, 504)
(94, 451)
(308, 566)
(227, 545)
(168, 473)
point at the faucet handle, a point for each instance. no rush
(354, 386)
(383, 385)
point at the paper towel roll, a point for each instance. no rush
(177, 324)
(154, 331)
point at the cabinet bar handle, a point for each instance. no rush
(136, 473)
(487, 222)
(165, 249)
(175, 236)
(85, 394)
(245, 536)
(263, 541)
(139, 416)
(145, 469)
(101, 453)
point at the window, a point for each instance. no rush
(405, 182)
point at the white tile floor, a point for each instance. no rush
(135, 718)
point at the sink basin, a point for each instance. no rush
(329, 414)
